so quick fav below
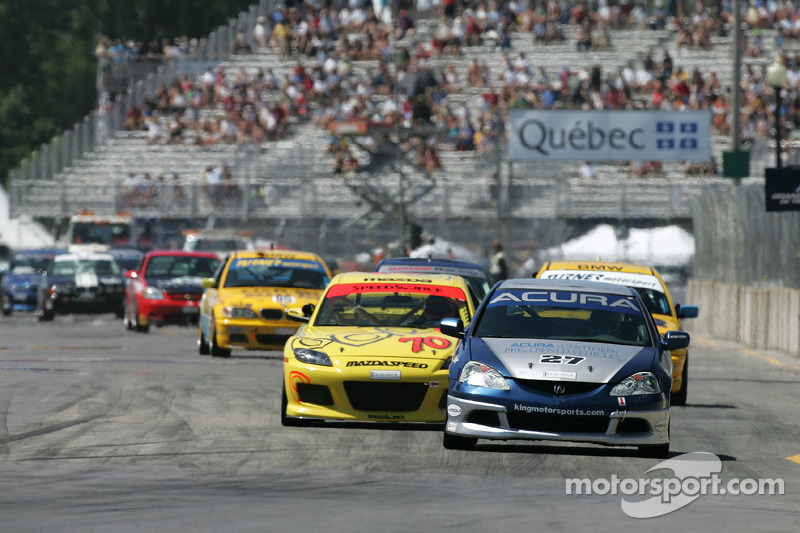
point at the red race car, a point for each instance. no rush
(167, 288)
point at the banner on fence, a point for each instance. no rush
(782, 189)
(537, 134)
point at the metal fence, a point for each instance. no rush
(738, 241)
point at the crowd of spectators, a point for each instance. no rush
(326, 45)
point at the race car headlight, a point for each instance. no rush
(153, 293)
(238, 312)
(639, 383)
(480, 375)
(312, 357)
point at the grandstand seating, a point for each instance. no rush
(298, 172)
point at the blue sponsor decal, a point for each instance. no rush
(688, 144)
(277, 262)
(665, 144)
(689, 127)
(665, 127)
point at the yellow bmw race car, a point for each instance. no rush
(244, 305)
(371, 350)
(649, 284)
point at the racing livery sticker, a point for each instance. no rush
(568, 299)
(562, 356)
(642, 281)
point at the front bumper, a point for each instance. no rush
(250, 334)
(481, 419)
(314, 392)
(168, 311)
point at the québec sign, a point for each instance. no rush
(609, 135)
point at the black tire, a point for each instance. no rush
(45, 316)
(658, 451)
(655, 451)
(202, 343)
(140, 328)
(216, 350)
(5, 303)
(454, 442)
(679, 398)
(288, 421)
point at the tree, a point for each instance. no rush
(49, 68)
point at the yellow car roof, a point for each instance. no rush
(609, 266)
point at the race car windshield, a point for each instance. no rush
(561, 315)
(30, 264)
(390, 309)
(655, 301)
(179, 266)
(297, 274)
(101, 267)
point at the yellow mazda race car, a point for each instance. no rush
(649, 284)
(244, 305)
(371, 351)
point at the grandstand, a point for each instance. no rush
(289, 183)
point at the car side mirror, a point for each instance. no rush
(131, 274)
(686, 311)
(452, 327)
(209, 283)
(298, 314)
(676, 340)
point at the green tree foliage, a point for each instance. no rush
(49, 68)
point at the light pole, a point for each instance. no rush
(776, 78)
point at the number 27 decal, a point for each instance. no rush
(561, 359)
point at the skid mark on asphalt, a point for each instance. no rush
(48, 429)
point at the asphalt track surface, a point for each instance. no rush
(103, 429)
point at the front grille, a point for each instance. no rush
(633, 425)
(271, 340)
(558, 424)
(317, 394)
(272, 314)
(546, 387)
(373, 396)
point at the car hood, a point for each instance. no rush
(383, 344)
(598, 363)
(177, 284)
(267, 297)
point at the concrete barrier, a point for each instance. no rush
(766, 318)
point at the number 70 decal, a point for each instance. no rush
(561, 359)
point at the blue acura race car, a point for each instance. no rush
(560, 360)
